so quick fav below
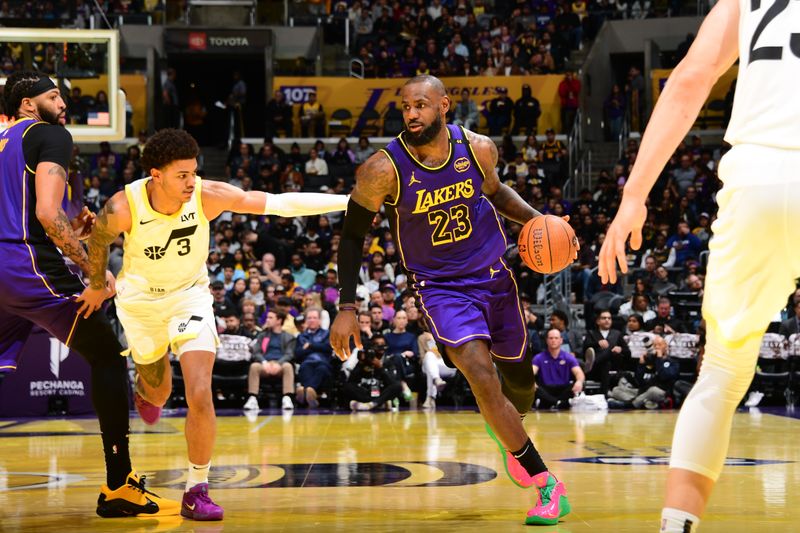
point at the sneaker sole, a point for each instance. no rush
(505, 457)
(199, 518)
(564, 509)
(119, 508)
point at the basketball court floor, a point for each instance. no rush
(406, 471)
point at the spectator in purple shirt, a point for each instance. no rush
(555, 369)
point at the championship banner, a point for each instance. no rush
(380, 94)
(49, 374)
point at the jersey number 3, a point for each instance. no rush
(440, 220)
(771, 52)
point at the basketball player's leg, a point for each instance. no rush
(201, 422)
(745, 287)
(154, 381)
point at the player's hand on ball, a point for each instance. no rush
(628, 222)
(83, 223)
(345, 326)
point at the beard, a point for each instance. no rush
(49, 117)
(426, 135)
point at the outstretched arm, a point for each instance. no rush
(504, 198)
(219, 197)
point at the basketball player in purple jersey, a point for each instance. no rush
(39, 288)
(442, 196)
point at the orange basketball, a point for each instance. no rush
(547, 244)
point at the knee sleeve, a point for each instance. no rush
(518, 384)
(702, 433)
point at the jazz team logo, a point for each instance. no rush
(462, 164)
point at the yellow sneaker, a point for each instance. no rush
(132, 499)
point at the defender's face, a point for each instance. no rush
(177, 179)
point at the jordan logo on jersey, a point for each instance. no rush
(181, 236)
(413, 180)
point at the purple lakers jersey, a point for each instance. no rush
(18, 222)
(444, 226)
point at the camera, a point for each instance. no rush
(650, 357)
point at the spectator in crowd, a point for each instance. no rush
(662, 284)
(664, 255)
(304, 277)
(402, 351)
(552, 155)
(500, 110)
(434, 368)
(466, 112)
(664, 323)
(312, 117)
(634, 324)
(284, 304)
(222, 304)
(684, 175)
(170, 100)
(639, 304)
(614, 110)
(656, 373)
(273, 356)
(279, 116)
(364, 150)
(316, 166)
(313, 352)
(379, 325)
(604, 349)
(790, 326)
(365, 326)
(569, 91)
(526, 114)
(570, 340)
(370, 385)
(558, 374)
(249, 324)
(687, 246)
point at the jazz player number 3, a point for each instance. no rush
(753, 261)
(163, 300)
(442, 196)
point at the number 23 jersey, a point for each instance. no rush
(164, 253)
(766, 110)
(445, 226)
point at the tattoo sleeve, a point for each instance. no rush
(102, 236)
(153, 374)
(61, 233)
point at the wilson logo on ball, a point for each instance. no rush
(547, 244)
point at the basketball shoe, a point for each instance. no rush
(551, 500)
(150, 413)
(133, 499)
(197, 504)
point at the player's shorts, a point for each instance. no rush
(754, 257)
(38, 288)
(182, 321)
(482, 306)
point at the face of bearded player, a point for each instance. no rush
(424, 110)
(50, 107)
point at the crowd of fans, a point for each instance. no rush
(274, 282)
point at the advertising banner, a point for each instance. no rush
(380, 94)
(49, 374)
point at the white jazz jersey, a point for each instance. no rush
(164, 253)
(766, 109)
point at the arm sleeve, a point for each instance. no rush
(298, 204)
(47, 143)
(357, 222)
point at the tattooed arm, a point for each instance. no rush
(113, 219)
(51, 179)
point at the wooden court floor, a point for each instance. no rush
(407, 471)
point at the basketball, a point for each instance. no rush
(547, 244)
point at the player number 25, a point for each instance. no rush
(771, 52)
(440, 219)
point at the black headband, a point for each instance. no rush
(40, 87)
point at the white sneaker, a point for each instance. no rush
(251, 404)
(754, 399)
(429, 404)
(360, 406)
(440, 384)
(287, 404)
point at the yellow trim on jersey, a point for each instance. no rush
(32, 171)
(471, 151)
(497, 218)
(149, 207)
(155, 354)
(182, 338)
(12, 367)
(132, 207)
(415, 160)
(198, 191)
(72, 329)
(25, 237)
(396, 175)
(519, 310)
(399, 243)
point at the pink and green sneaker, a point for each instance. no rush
(551, 500)
(551, 504)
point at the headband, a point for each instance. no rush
(40, 87)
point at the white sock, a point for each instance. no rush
(677, 521)
(197, 474)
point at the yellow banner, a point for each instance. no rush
(708, 116)
(358, 95)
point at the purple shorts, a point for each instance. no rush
(481, 306)
(37, 288)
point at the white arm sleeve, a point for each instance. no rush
(298, 204)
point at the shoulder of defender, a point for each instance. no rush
(377, 172)
(118, 205)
